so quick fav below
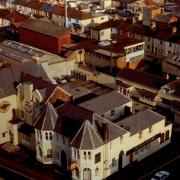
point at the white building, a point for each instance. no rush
(87, 147)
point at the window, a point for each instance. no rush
(46, 134)
(4, 134)
(50, 135)
(102, 33)
(147, 146)
(161, 42)
(89, 155)
(167, 135)
(78, 154)
(170, 44)
(112, 112)
(113, 162)
(162, 138)
(150, 129)
(140, 134)
(97, 171)
(85, 155)
(49, 153)
(97, 157)
(102, 18)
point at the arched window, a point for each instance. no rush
(89, 155)
(46, 134)
(78, 154)
(86, 174)
(85, 155)
(162, 138)
(50, 135)
(167, 135)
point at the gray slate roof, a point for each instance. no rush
(47, 119)
(87, 137)
(105, 103)
(11, 74)
(140, 121)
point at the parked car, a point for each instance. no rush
(161, 175)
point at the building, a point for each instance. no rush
(170, 96)
(115, 105)
(170, 67)
(36, 32)
(140, 85)
(88, 151)
(116, 53)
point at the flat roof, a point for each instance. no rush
(45, 28)
(105, 102)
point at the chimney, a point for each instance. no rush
(105, 131)
(28, 90)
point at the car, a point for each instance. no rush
(161, 175)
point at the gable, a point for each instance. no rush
(59, 94)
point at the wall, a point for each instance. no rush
(100, 78)
(6, 116)
(40, 41)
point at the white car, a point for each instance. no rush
(161, 175)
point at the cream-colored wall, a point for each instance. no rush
(6, 116)
(101, 35)
(118, 112)
(154, 146)
(100, 78)
(61, 68)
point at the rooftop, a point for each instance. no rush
(45, 28)
(143, 78)
(105, 102)
(140, 121)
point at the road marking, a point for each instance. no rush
(169, 162)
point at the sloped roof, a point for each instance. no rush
(143, 78)
(140, 121)
(47, 119)
(39, 83)
(87, 137)
(105, 102)
(45, 28)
